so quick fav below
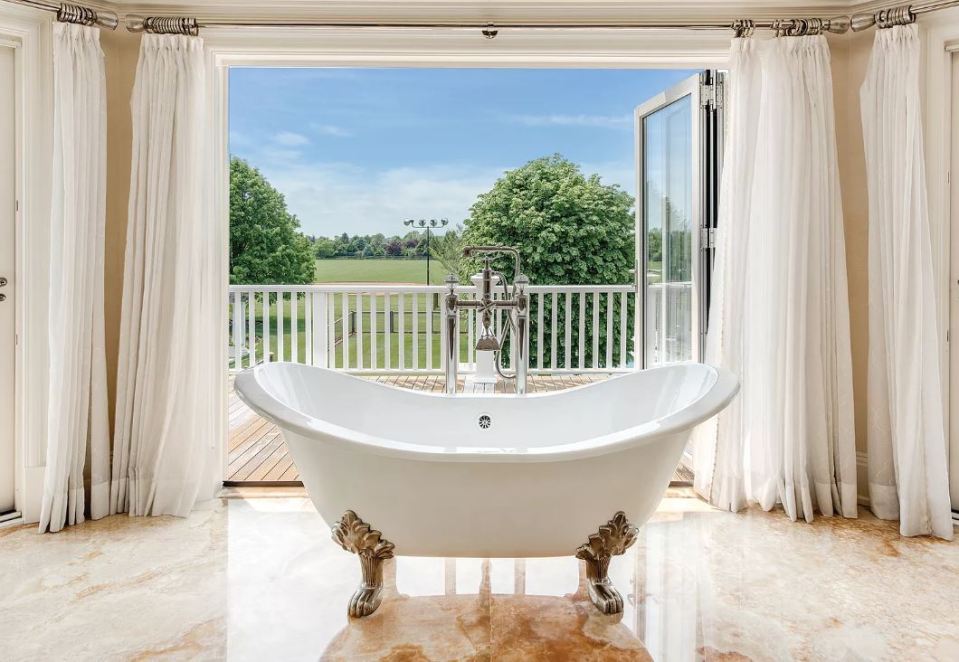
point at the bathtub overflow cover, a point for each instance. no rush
(485, 421)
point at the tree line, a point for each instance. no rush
(412, 244)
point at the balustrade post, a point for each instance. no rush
(320, 322)
(238, 320)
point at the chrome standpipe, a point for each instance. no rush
(451, 323)
(521, 342)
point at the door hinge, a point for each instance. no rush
(711, 95)
(707, 238)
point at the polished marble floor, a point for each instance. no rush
(259, 579)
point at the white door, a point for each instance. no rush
(678, 143)
(7, 268)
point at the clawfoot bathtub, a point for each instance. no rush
(552, 474)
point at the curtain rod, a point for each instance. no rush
(883, 18)
(901, 15)
(742, 27)
(71, 13)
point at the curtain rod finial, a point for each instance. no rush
(107, 19)
(862, 22)
(135, 23)
(838, 24)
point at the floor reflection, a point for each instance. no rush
(289, 586)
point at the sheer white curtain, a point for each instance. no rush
(906, 429)
(78, 438)
(783, 319)
(718, 468)
(163, 458)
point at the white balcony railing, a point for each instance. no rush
(372, 328)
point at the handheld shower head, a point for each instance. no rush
(487, 342)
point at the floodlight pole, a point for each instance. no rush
(429, 225)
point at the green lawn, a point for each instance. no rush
(378, 270)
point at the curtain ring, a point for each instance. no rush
(171, 25)
(744, 27)
(887, 18)
(69, 13)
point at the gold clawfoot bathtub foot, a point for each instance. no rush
(612, 539)
(356, 536)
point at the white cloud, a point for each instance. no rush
(330, 198)
(600, 121)
(331, 130)
(278, 155)
(290, 139)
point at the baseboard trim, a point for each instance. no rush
(263, 483)
(11, 519)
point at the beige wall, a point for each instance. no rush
(120, 49)
(850, 55)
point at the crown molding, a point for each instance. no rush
(483, 11)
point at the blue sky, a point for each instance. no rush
(360, 150)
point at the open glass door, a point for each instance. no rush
(678, 136)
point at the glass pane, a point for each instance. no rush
(668, 207)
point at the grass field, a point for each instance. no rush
(378, 270)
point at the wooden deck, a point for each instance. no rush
(258, 454)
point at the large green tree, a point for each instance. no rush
(266, 245)
(571, 229)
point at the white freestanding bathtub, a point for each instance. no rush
(485, 475)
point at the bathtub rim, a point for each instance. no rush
(723, 389)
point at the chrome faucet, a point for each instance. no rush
(514, 299)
